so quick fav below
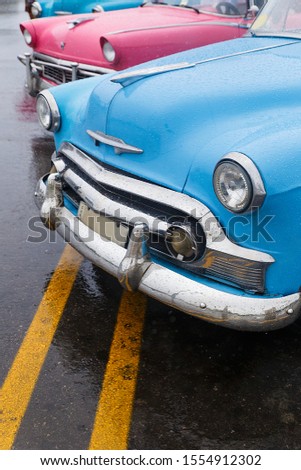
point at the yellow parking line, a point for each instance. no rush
(113, 416)
(19, 384)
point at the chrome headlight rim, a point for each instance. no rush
(108, 51)
(54, 114)
(35, 10)
(98, 9)
(252, 177)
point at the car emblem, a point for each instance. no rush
(62, 45)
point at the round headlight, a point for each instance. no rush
(48, 111)
(183, 243)
(44, 112)
(35, 10)
(232, 186)
(27, 37)
(108, 51)
(238, 184)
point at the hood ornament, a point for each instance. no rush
(73, 23)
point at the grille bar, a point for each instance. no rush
(113, 193)
(64, 71)
(59, 74)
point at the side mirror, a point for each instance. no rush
(252, 12)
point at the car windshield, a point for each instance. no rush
(279, 18)
(229, 8)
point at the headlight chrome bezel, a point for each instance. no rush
(35, 10)
(45, 98)
(98, 9)
(182, 237)
(29, 34)
(27, 37)
(250, 175)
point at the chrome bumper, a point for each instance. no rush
(37, 80)
(135, 270)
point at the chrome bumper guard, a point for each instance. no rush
(42, 71)
(135, 270)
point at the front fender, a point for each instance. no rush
(72, 99)
(273, 143)
(152, 43)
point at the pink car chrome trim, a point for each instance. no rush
(78, 21)
(179, 25)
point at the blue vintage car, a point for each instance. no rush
(181, 177)
(42, 8)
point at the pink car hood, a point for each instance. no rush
(137, 34)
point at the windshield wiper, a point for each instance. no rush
(188, 6)
(292, 34)
(153, 2)
(158, 2)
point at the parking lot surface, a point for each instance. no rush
(85, 364)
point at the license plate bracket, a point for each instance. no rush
(106, 227)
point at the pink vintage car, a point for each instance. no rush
(78, 46)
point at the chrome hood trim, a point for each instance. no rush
(73, 23)
(118, 144)
(179, 25)
(127, 78)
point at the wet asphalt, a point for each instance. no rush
(199, 386)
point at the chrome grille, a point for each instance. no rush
(250, 276)
(54, 74)
(102, 188)
(59, 74)
(62, 71)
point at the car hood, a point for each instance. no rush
(223, 98)
(153, 30)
